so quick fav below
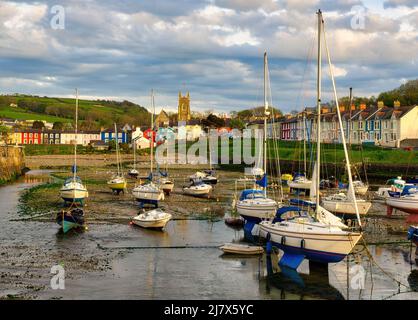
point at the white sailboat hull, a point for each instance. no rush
(257, 209)
(153, 219)
(197, 191)
(73, 194)
(148, 195)
(326, 245)
(347, 206)
(305, 185)
(407, 204)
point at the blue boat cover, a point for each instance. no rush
(298, 174)
(281, 211)
(244, 194)
(262, 182)
(303, 203)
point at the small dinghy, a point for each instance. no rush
(70, 219)
(156, 219)
(234, 248)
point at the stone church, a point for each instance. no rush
(183, 113)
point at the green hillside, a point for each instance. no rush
(93, 114)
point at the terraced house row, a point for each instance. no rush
(377, 125)
(45, 136)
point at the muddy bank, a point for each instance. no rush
(12, 163)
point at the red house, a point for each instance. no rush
(30, 136)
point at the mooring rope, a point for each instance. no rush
(370, 256)
(158, 247)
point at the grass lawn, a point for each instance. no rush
(16, 113)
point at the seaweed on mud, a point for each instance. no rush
(35, 200)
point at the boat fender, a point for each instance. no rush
(283, 240)
(302, 243)
(268, 236)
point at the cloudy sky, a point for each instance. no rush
(213, 48)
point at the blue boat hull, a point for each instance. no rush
(311, 255)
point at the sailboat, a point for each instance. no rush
(165, 183)
(149, 192)
(73, 189)
(118, 182)
(300, 181)
(133, 172)
(253, 204)
(207, 176)
(321, 237)
(197, 188)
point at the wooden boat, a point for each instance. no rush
(156, 219)
(241, 249)
(70, 219)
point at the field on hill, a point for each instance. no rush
(92, 113)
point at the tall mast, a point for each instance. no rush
(152, 128)
(134, 147)
(351, 192)
(266, 106)
(76, 135)
(304, 142)
(318, 129)
(117, 148)
(349, 120)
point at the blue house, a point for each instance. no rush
(109, 135)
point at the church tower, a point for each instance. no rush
(184, 107)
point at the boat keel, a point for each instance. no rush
(291, 260)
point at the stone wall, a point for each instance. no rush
(12, 162)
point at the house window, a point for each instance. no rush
(30, 135)
(25, 141)
(386, 124)
(361, 124)
(355, 136)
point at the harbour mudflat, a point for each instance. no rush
(114, 260)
